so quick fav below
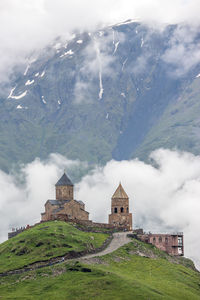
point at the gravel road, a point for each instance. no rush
(119, 240)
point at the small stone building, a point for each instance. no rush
(120, 215)
(170, 243)
(65, 206)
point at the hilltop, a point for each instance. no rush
(134, 271)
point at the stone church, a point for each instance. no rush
(65, 206)
(120, 215)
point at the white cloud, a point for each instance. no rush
(184, 50)
(164, 195)
(27, 26)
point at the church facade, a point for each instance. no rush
(64, 205)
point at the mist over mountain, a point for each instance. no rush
(119, 92)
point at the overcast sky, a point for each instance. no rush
(27, 25)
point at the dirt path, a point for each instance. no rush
(119, 240)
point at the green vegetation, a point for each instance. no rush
(45, 241)
(134, 271)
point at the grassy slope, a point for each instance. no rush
(45, 241)
(179, 119)
(124, 274)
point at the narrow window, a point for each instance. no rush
(115, 210)
(180, 251)
(180, 241)
(127, 209)
(122, 209)
(154, 240)
(166, 240)
(160, 239)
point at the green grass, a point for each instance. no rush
(122, 274)
(45, 241)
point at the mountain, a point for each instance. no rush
(135, 271)
(114, 93)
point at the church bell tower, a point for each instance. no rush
(64, 189)
(120, 216)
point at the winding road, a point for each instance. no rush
(119, 239)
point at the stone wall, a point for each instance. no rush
(65, 192)
(89, 223)
(121, 219)
(74, 210)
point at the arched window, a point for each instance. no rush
(154, 240)
(127, 209)
(115, 210)
(166, 240)
(122, 209)
(160, 239)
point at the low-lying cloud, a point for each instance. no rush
(164, 195)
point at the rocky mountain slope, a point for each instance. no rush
(115, 93)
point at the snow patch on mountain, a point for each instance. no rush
(43, 100)
(100, 71)
(16, 97)
(79, 41)
(29, 82)
(198, 75)
(11, 92)
(142, 42)
(127, 22)
(37, 74)
(42, 74)
(123, 64)
(19, 107)
(70, 52)
(116, 46)
(26, 70)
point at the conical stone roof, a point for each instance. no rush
(64, 180)
(120, 193)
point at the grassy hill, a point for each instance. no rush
(135, 271)
(45, 241)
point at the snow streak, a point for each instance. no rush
(100, 70)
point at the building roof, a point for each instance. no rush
(81, 202)
(64, 180)
(120, 193)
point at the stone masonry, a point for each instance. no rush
(65, 204)
(120, 215)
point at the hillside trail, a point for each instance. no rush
(119, 239)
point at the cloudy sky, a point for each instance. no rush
(27, 26)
